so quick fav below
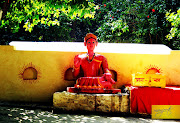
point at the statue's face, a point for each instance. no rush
(91, 44)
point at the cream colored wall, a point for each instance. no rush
(51, 66)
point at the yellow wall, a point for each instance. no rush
(51, 67)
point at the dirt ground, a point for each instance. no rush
(25, 113)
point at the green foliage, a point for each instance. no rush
(133, 21)
(30, 13)
(40, 32)
(138, 20)
(112, 30)
(174, 19)
(143, 20)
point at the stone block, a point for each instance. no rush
(103, 102)
(64, 101)
(112, 102)
(124, 106)
(85, 102)
(72, 101)
(91, 102)
(116, 102)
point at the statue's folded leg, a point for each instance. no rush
(106, 84)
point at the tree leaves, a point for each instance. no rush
(144, 19)
(47, 12)
(174, 19)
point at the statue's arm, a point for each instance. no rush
(76, 71)
(107, 74)
(76, 67)
(105, 65)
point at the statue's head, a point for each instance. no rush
(90, 41)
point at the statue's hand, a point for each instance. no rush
(112, 81)
(106, 80)
(107, 76)
(77, 61)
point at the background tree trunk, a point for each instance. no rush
(5, 7)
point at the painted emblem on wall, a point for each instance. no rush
(30, 73)
(153, 69)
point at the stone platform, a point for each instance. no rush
(91, 102)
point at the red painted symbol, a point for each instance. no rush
(157, 79)
(139, 79)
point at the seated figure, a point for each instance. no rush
(91, 64)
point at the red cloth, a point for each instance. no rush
(88, 82)
(142, 98)
(94, 82)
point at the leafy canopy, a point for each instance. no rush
(174, 19)
(30, 13)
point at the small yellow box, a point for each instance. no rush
(149, 80)
(158, 80)
(139, 79)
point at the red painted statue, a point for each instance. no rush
(91, 65)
